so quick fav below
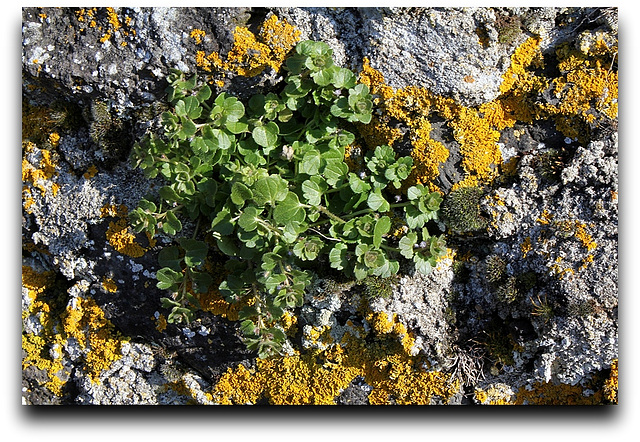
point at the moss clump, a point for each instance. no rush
(461, 210)
(495, 268)
(111, 135)
(377, 287)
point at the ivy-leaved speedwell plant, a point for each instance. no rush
(268, 182)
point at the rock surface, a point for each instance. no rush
(544, 322)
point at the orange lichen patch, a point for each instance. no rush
(109, 285)
(610, 388)
(197, 35)
(517, 75)
(548, 393)
(525, 247)
(87, 324)
(428, 154)
(36, 283)
(123, 240)
(54, 138)
(587, 89)
(412, 106)
(495, 394)
(383, 325)
(545, 217)
(251, 54)
(584, 237)
(375, 81)
(39, 175)
(113, 211)
(119, 234)
(318, 376)
(378, 133)
(478, 145)
(91, 172)
(161, 323)
(498, 114)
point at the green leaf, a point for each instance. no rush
(382, 227)
(228, 246)
(189, 107)
(222, 223)
(358, 185)
(201, 282)
(376, 201)
(216, 138)
(172, 224)
(204, 94)
(338, 258)
(267, 135)
(169, 303)
(334, 172)
(311, 163)
(269, 190)
(324, 77)
(195, 251)
(237, 127)
(233, 109)
(168, 279)
(170, 257)
(414, 192)
(169, 194)
(313, 189)
(407, 243)
(249, 219)
(423, 264)
(344, 78)
(414, 217)
(188, 129)
(289, 210)
(240, 194)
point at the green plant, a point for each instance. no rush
(542, 309)
(269, 184)
(461, 210)
(495, 269)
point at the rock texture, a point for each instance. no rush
(525, 310)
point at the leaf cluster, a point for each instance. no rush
(270, 184)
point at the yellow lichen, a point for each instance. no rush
(319, 375)
(54, 138)
(197, 35)
(412, 106)
(161, 323)
(610, 389)
(91, 172)
(122, 240)
(40, 175)
(87, 324)
(525, 247)
(109, 285)
(548, 393)
(251, 54)
(83, 321)
(119, 234)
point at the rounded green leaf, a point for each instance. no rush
(195, 251)
(240, 194)
(289, 210)
(376, 201)
(249, 219)
(267, 135)
(170, 257)
(269, 190)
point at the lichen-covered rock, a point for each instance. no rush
(511, 109)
